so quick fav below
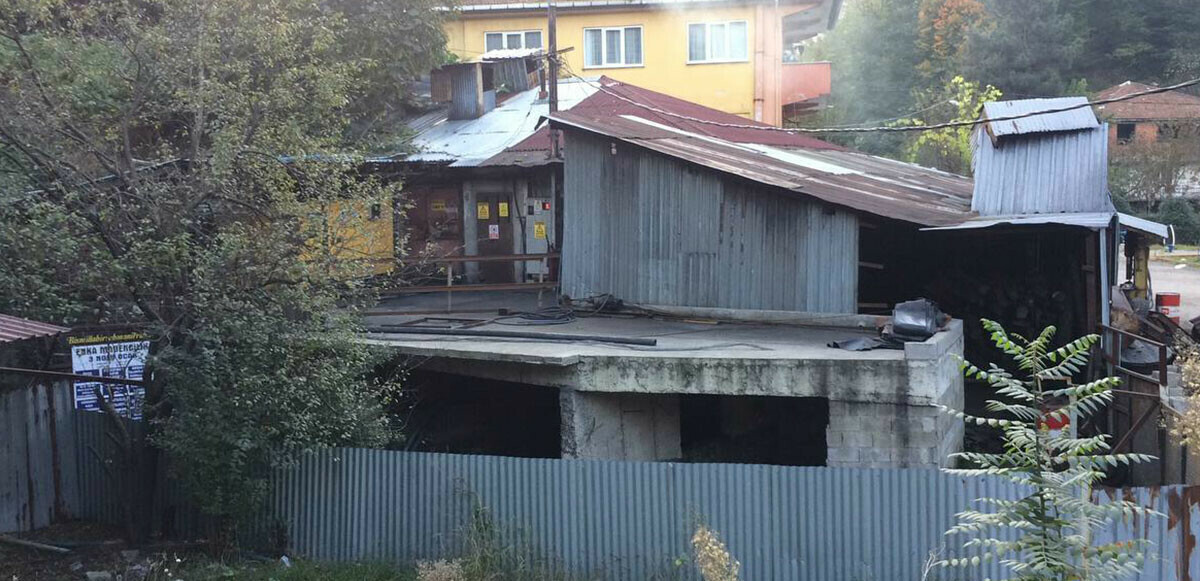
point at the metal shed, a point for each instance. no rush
(659, 215)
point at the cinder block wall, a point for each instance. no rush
(905, 429)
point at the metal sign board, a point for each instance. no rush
(493, 231)
(115, 356)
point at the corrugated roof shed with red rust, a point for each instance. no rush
(867, 183)
(17, 329)
(1169, 106)
(613, 100)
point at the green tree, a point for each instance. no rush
(949, 149)
(944, 26)
(166, 164)
(1180, 213)
(1026, 48)
(874, 51)
(1048, 534)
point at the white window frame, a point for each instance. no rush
(708, 42)
(504, 37)
(604, 30)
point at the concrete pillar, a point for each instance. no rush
(619, 426)
(470, 230)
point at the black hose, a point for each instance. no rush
(401, 330)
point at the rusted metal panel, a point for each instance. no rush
(851, 180)
(650, 229)
(16, 329)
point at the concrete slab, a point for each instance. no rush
(678, 339)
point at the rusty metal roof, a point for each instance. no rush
(613, 97)
(1174, 105)
(858, 181)
(17, 329)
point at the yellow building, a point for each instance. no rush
(726, 55)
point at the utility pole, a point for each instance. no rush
(552, 59)
(552, 62)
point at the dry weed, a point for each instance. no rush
(440, 571)
(712, 557)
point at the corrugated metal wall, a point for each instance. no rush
(631, 520)
(35, 428)
(1041, 173)
(653, 230)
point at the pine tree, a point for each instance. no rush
(1048, 534)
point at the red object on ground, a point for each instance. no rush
(1168, 304)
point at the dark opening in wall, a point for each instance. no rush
(440, 412)
(1125, 132)
(786, 431)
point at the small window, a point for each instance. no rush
(718, 42)
(1125, 132)
(512, 39)
(493, 41)
(376, 211)
(612, 47)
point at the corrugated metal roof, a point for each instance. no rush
(1092, 220)
(500, 54)
(1066, 171)
(1143, 225)
(17, 329)
(614, 99)
(854, 180)
(470, 142)
(1074, 120)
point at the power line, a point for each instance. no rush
(879, 129)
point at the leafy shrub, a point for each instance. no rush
(1180, 214)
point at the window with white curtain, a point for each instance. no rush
(512, 39)
(718, 42)
(612, 47)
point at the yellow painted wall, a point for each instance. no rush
(357, 236)
(725, 86)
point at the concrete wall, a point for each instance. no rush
(619, 426)
(882, 404)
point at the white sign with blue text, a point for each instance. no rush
(112, 357)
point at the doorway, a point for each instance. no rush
(494, 213)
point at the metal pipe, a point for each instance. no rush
(74, 376)
(398, 330)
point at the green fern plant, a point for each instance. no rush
(1047, 535)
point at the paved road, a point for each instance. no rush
(1164, 277)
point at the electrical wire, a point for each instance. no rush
(876, 129)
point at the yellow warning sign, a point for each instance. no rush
(503, 210)
(438, 205)
(539, 230)
(483, 210)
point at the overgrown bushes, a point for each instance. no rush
(1182, 215)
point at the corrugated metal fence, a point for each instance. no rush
(631, 520)
(37, 456)
(598, 519)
